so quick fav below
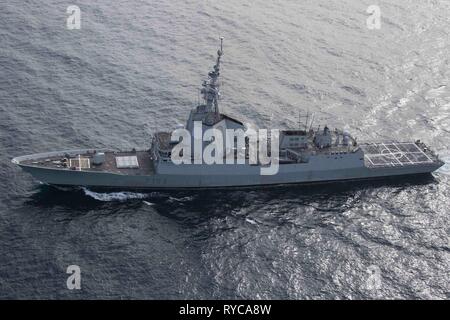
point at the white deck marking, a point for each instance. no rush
(421, 151)
(404, 153)
(368, 158)
(392, 155)
(386, 157)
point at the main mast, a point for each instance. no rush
(211, 87)
(208, 111)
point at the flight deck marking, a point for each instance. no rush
(405, 153)
(408, 154)
(391, 154)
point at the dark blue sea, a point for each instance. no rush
(135, 67)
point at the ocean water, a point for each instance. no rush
(135, 67)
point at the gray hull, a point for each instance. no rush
(288, 174)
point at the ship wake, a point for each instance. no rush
(116, 196)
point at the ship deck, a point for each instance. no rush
(397, 154)
(82, 160)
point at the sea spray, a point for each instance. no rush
(115, 196)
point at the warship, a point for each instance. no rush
(304, 155)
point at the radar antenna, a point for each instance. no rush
(211, 87)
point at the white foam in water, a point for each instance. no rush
(61, 188)
(114, 196)
(445, 169)
(183, 199)
(435, 93)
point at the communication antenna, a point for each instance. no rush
(306, 120)
(312, 122)
(221, 53)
